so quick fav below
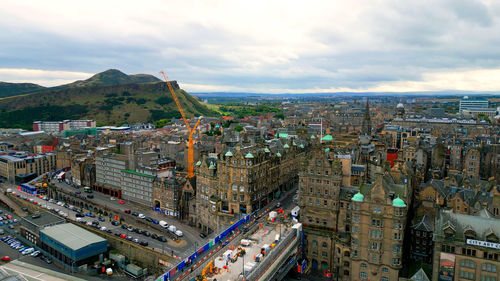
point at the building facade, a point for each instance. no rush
(20, 163)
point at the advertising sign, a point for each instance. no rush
(483, 244)
(446, 267)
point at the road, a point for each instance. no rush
(191, 234)
(287, 205)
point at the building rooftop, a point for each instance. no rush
(72, 236)
(45, 218)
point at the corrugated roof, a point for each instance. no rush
(72, 236)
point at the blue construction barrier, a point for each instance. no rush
(194, 256)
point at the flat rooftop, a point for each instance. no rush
(45, 218)
(72, 236)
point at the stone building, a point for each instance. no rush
(241, 180)
(466, 247)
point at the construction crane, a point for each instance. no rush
(190, 130)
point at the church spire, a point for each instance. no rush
(366, 128)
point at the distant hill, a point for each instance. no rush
(14, 89)
(110, 97)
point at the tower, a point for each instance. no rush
(366, 126)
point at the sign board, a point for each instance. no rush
(483, 244)
(446, 267)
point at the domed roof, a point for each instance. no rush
(198, 163)
(398, 202)
(358, 197)
(286, 145)
(327, 149)
(249, 155)
(327, 138)
(266, 150)
(400, 105)
(212, 166)
(313, 137)
(229, 153)
(278, 154)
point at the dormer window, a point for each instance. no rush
(470, 234)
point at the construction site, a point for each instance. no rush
(251, 258)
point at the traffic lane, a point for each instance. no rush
(191, 234)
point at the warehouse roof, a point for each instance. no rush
(72, 236)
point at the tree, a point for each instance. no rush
(238, 128)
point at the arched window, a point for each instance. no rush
(324, 245)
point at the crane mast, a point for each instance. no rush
(190, 130)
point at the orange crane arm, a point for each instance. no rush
(174, 96)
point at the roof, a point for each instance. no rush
(425, 224)
(420, 276)
(137, 173)
(249, 155)
(459, 223)
(229, 153)
(398, 202)
(45, 218)
(72, 236)
(327, 138)
(358, 197)
(283, 135)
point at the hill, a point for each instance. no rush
(14, 89)
(124, 101)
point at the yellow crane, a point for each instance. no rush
(190, 130)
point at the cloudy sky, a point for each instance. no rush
(258, 46)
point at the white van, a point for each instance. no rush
(178, 233)
(163, 224)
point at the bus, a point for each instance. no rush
(87, 189)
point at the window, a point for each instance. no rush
(468, 252)
(385, 270)
(447, 249)
(384, 279)
(489, 267)
(356, 219)
(325, 202)
(363, 265)
(363, 275)
(396, 261)
(356, 229)
(488, 278)
(466, 275)
(355, 241)
(324, 254)
(396, 248)
(315, 243)
(324, 244)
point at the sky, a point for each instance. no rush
(258, 46)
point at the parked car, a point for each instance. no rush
(90, 196)
(142, 216)
(127, 211)
(35, 254)
(101, 219)
(146, 233)
(124, 236)
(154, 236)
(79, 215)
(5, 258)
(115, 222)
(124, 226)
(155, 221)
(121, 202)
(90, 215)
(144, 243)
(162, 239)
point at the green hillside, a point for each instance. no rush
(109, 104)
(14, 89)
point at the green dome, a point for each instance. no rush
(198, 163)
(229, 153)
(249, 155)
(327, 138)
(327, 149)
(212, 167)
(358, 197)
(301, 146)
(313, 137)
(266, 150)
(278, 154)
(216, 126)
(294, 144)
(283, 135)
(286, 145)
(398, 202)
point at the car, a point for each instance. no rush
(278, 205)
(108, 231)
(25, 210)
(47, 260)
(127, 211)
(90, 215)
(130, 238)
(9, 217)
(146, 233)
(103, 228)
(101, 219)
(23, 248)
(155, 221)
(144, 243)
(15, 220)
(28, 251)
(115, 222)
(162, 239)
(124, 226)
(130, 228)
(202, 235)
(149, 219)
(135, 240)
(123, 236)
(139, 231)
(66, 205)
(112, 198)
(154, 236)
(90, 196)
(79, 215)
(11, 227)
(5, 258)
(78, 192)
(142, 216)
(135, 214)
(121, 202)
(35, 254)
(95, 222)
